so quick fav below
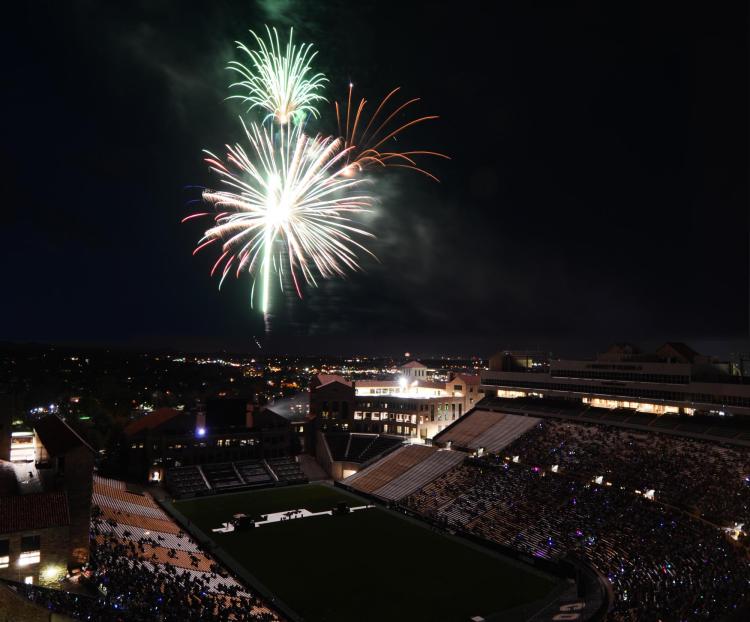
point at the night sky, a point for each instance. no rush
(597, 190)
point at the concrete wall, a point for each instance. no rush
(15, 608)
(79, 468)
(334, 468)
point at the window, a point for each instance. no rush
(30, 546)
(30, 543)
(29, 580)
(4, 553)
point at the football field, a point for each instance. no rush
(369, 565)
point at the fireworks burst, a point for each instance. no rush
(279, 80)
(368, 148)
(288, 199)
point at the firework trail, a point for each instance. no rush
(370, 146)
(279, 80)
(288, 204)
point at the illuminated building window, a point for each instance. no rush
(4, 553)
(29, 558)
(29, 580)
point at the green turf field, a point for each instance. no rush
(366, 566)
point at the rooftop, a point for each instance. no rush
(150, 421)
(57, 436)
(37, 511)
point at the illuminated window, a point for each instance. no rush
(27, 559)
(30, 546)
(4, 553)
(28, 580)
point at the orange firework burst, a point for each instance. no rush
(371, 147)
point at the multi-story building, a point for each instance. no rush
(226, 430)
(411, 404)
(46, 480)
(673, 379)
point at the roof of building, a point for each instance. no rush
(377, 383)
(469, 378)
(57, 436)
(681, 350)
(425, 384)
(295, 408)
(151, 420)
(329, 378)
(8, 479)
(413, 365)
(37, 511)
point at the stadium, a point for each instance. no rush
(502, 517)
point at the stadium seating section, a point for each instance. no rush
(360, 448)
(648, 511)
(485, 429)
(403, 471)
(228, 476)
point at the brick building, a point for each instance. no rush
(229, 430)
(414, 404)
(45, 503)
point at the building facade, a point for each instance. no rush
(45, 502)
(413, 404)
(672, 380)
(169, 438)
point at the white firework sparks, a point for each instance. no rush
(279, 80)
(289, 190)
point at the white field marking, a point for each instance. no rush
(278, 517)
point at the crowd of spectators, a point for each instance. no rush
(663, 563)
(708, 479)
(127, 586)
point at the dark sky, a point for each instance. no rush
(597, 189)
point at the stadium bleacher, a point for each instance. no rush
(254, 472)
(186, 480)
(405, 470)
(360, 447)
(337, 444)
(380, 445)
(415, 478)
(149, 564)
(222, 476)
(358, 443)
(485, 429)
(287, 470)
(230, 476)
